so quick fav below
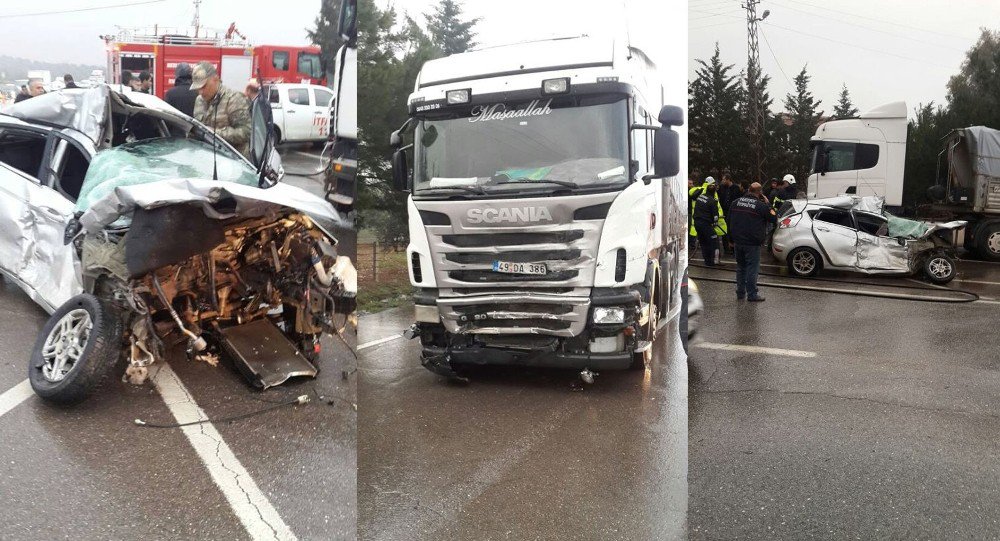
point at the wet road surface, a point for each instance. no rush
(867, 418)
(87, 472)
(516, 453)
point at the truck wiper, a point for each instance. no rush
(471, 189)
(566, 183)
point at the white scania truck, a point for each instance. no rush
(867, 156)
(546, 215)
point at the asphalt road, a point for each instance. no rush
(88, 472)
(868, 418)
(516, 453)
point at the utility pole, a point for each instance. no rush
(756, 108)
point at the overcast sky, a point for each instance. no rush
(884, 50)
(73, 37)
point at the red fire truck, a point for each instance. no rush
(159, 50)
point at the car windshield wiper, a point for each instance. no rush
(566, 183)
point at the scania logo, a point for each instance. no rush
(508, 215)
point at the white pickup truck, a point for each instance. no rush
(301, 112)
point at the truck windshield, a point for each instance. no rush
(532, 148)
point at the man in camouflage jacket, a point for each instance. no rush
(222, 109)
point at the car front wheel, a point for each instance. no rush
(940, 268)
(76, 351)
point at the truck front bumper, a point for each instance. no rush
(443, 360)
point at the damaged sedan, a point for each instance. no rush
(851, 233)
(138, 230)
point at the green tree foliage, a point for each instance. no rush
(844, 107)
(929, 125)
(803, 118)
(974, 93)
(324, 32)
(390, 55)
(447, 29)
(716, 132)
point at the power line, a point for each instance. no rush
(922, 61)
(768, 43)
(711, 25)
(884, 21)
(825, 17)
(95, 8)
(710, 16)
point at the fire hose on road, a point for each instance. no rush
(956, 295)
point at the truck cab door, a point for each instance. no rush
(834, 170)
(836, 236)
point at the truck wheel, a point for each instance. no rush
(939, 268)
(78, 348)
(988, 242)
(804, 262)
(648, 333)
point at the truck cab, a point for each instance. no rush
(861, 156)
(546, 217)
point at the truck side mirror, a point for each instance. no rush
(400, 171)
(666, 142)
(823, 161)
(395, 140)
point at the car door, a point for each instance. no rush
(33, 219)
(321, 112)
(836, 236)
(298, 113)
(876, 250)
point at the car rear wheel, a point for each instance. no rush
(804, 262)
(939, 268)
(78, 348)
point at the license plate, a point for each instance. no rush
(519, 268)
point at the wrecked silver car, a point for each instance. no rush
(138, 230)
(852, 233)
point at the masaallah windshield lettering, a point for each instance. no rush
(499, 111)
(511, 215)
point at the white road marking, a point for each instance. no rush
(14, 396)
(976, 282)
(253, 509)
(379, 342)
(756, 349)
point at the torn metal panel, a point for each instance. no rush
(84, 110)
(264, 354)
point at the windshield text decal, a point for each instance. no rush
(499, 111)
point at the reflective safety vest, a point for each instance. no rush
(693, 194)
(720, 220)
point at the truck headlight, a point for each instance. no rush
(606, 315)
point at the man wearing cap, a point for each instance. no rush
(222, 109)
(181, 97)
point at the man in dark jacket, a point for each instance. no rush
(181, 97)
(727, 193)
(749, 217)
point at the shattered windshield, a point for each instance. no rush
(152, 160)
(535, 147)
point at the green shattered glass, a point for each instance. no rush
(152, 160)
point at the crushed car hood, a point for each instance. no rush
(216, 199)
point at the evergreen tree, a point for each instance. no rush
(844, 107)
(324, 33)
(448, 31)
(715, 137)
(803, 118)
(774, 132)
(973, 93)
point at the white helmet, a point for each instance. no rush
(789, 179)
(709, 181)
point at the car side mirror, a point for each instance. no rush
(400, 171)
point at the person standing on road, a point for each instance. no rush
(750, 216)
(727, 193)
(695, 189)
(222, 109)
(181, 97)
(68, 79)
(709, 222)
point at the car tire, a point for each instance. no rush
(798, 262)
(939, 268)
(988, 242)
(86, 332)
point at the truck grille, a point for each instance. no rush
(515, 313)
(488, 276)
